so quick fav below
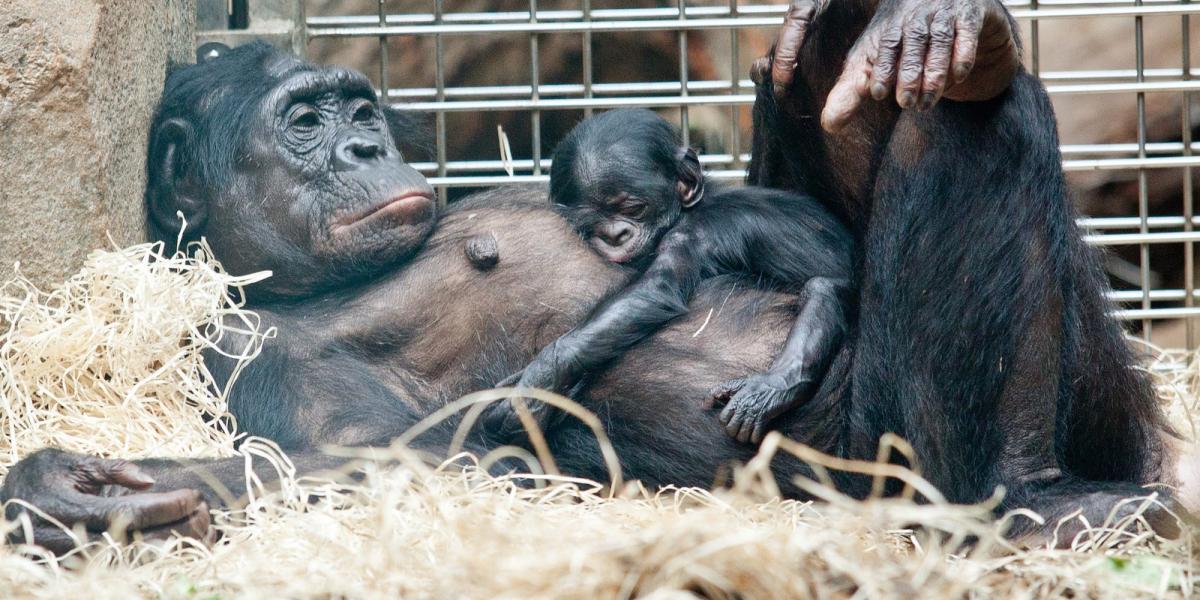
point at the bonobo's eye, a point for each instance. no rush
(633, 209)
(304, 120)
(364, 113)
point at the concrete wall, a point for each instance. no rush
(79, 80)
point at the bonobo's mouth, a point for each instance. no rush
(615, 254)
(400, 209)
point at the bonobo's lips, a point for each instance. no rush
(401, 207)
(619, 254)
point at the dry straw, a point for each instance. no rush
(111, 364)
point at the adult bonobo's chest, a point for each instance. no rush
(502, 276)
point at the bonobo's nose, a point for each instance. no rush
(357, 151)
(615, 234)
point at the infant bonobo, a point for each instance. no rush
(641, 199)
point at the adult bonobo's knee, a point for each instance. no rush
(285, 166)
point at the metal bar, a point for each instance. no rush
(439, 76)
(587, 57)
(1156, 313)
(1143, 182)
(735, 129)
(721, 86)
(1034, 62)
(1189, 249)
(1158, 295)
(684, 125)
(1142, 239)
(535, 115)
(383, 54)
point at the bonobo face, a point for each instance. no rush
(622, 179)
(322, 167)
(622, 218)
(285, 166)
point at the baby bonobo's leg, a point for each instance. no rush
(752, 402)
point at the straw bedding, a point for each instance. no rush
(110, 364)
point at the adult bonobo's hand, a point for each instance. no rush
(924, 49)
(102, 495)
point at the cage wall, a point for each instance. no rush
(523, 72)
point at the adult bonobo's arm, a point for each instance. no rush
(154, 498)
(961, 49)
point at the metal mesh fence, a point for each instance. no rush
(1120, 74)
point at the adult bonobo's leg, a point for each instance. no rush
(982, 335)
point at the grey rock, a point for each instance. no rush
(79, 81)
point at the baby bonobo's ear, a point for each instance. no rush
(691, 178)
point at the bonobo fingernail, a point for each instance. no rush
(961, 71)
(927, 100)
(907, 99)
(878, 91)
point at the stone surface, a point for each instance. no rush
(79, 80)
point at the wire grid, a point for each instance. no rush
(1143, 303)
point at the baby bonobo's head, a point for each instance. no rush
(623, 178)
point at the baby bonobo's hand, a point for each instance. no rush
(751, 404)
(502, 419)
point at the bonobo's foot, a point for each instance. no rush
(752, 403)
(101, 495)
(1067, 504)
(922, 49)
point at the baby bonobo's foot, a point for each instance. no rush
(752, 403)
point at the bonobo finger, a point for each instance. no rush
(106, 471)
(745, 429)
(848, 93)
(912, 61)
(720, 394)
(56, 540)
(966, 45)
(883, 68)
(197, 525)
(937, 62)
(787, 45)
(140, 511)
(757, 435)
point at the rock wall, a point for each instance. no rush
(79, 80)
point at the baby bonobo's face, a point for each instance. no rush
(622, 216)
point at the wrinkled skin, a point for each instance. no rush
(102, 495)
(917, 52)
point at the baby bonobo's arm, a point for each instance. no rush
(793, 242)
(753, 402)
(632, 314)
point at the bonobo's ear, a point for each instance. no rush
(691, 178)
(170, 187)
(411, 131)
(209, 51)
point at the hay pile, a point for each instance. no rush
(111, 364)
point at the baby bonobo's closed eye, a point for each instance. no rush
(690, 182)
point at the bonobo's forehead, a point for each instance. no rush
(304, 82)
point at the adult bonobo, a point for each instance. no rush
(982, 335)
(375, 332)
